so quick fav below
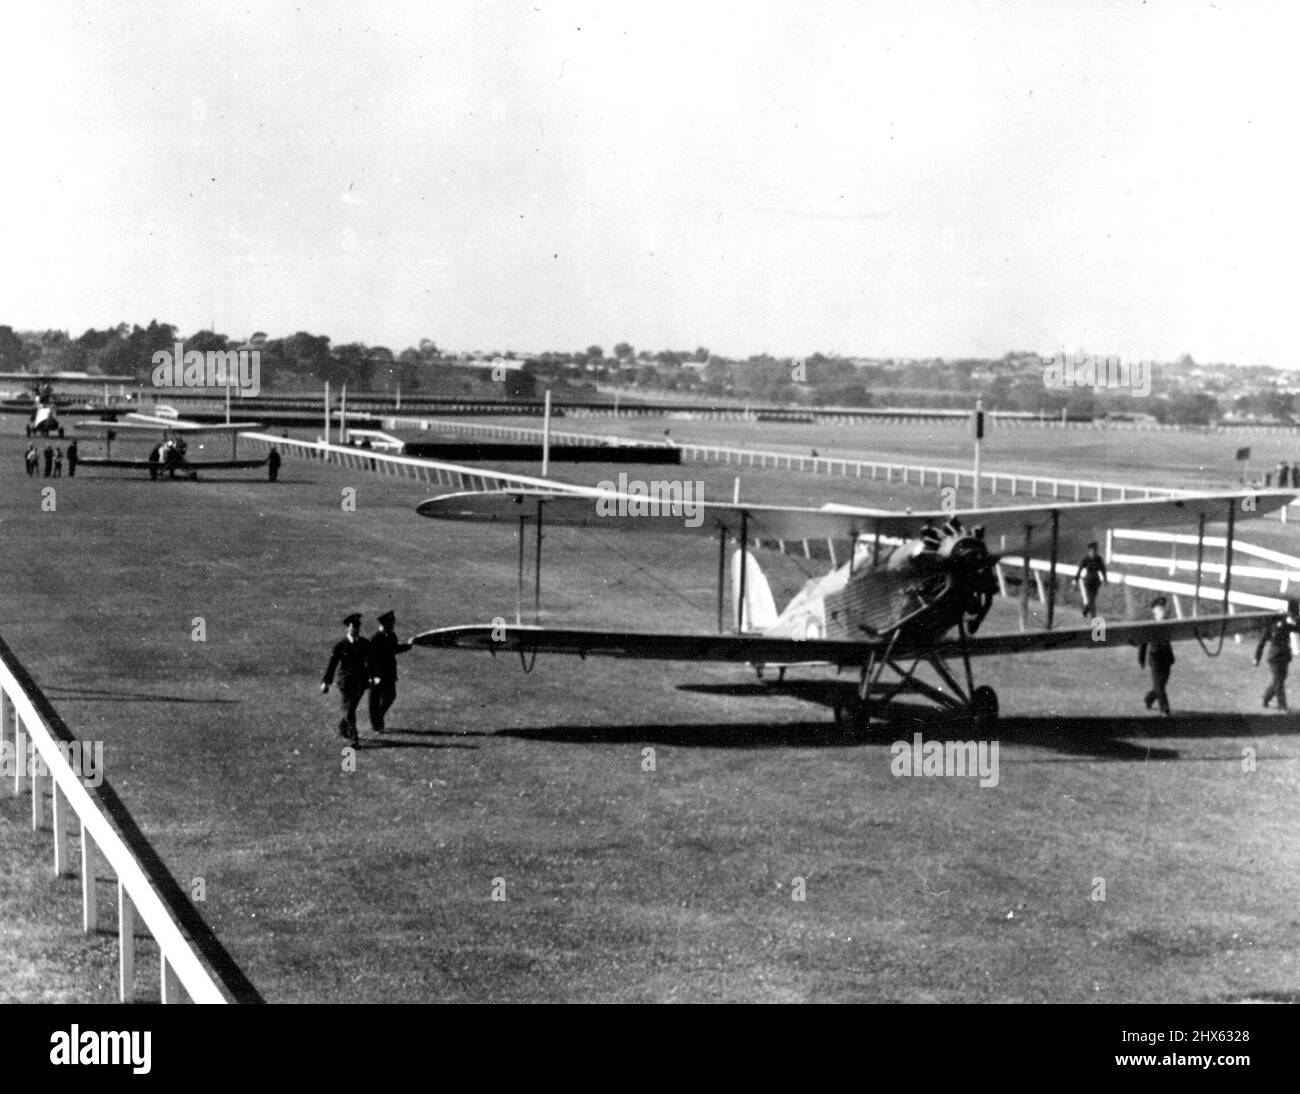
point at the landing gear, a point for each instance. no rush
(852, 716)
(984, 709)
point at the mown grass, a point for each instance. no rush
(621, 883)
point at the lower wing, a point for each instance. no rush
(759, 649)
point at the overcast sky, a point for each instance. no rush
(860, 178)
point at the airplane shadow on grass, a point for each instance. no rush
(99, 695)
(1123, 737)
(399, 738)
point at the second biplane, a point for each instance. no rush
(171, 454)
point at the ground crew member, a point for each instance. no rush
(384, 648)
(1278, 638)
(49, 460)
(1093, 571)
(351, 658)
(72, 460)
(31, 459)
(1160, 654)
(58, 462)
(273, 464)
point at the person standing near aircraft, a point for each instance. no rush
(350, 658)
(1092, 569)
(1278, 639)
(72, 460)
(1160, 654)
(49, 460)
(273, 464)
(384, 648)
(31, 459)
(58, 462)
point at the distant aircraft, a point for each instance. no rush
(876, 612)
(42, 405)
(171, 454)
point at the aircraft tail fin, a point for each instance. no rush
(759, 608)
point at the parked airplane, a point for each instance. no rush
(171, 454)
(877, 611)
(43, 406)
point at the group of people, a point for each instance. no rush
(53, 460)
(360, 663)
(1276, 640)
(1285, 475)
(1158, 654)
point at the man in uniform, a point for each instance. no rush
(351, 657)
(384, 648)
(1278, 638)
(1093, 571)
(1160, 654)
(273, 464)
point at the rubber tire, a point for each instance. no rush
(984, 709)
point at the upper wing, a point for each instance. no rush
(144, 424)
(668, 513)
(758, 649)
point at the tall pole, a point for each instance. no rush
(978, 428)
(343, 413)
(327, 412)
(546, 435)
(227, 395)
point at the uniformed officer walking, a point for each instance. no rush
(384, 648)
(351, 658)
(1160, 655)
(1278, 639)
(1093, 571)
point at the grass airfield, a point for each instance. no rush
(621, 883)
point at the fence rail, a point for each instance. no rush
(107, 834)
(905, 474)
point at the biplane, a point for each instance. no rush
(887, 609)
(171, 454)
(43, 406)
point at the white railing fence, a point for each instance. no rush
(41, 757)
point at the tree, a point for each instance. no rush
(595, 353)
(623, 351)
(14, 353)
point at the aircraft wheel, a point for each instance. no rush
(852, 717)
(984, 709)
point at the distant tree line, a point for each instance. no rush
(1013, 382)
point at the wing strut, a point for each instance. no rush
(537, 569)
(1200, 554)
(744, 570)
(1024, 579)
(722, 574)
(1227, 558)
(519, 591)
(1051, 574)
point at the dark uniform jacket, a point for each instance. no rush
(384, 648)
(1092, 569)
(351, 659)
(1159, 650)
(1278, 638)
